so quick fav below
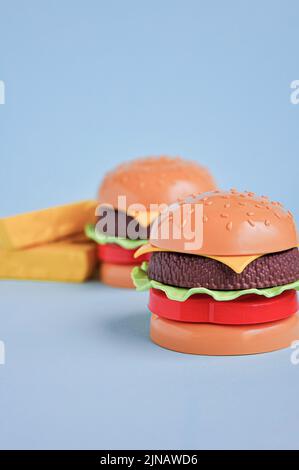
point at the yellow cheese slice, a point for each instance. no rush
(61, 261)
(147, 248)
(144, 218)
(236, 263)
(44, 226)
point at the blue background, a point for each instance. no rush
(93, 83)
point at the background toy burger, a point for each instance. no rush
(145, 181)
(234, 294)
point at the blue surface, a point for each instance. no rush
(81, 372)
(90, 84)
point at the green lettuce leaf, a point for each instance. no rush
(142, 283)
(102, 239)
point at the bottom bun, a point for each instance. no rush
(223, 340)
(116, 275)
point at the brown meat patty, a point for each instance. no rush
(184, 270)
(119, 224)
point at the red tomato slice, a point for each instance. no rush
(115, 254)
(248, 309)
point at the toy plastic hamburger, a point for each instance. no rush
(144, 183)
(235, 291)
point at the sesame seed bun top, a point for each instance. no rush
(233, 223)
(154, 180)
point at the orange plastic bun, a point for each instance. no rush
(232, 223)
(222, 340)
(116, 275)
(154, 180)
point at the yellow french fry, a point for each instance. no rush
(46, 226)
(63, 261)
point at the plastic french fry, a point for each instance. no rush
(45, 226)
(60, 261)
